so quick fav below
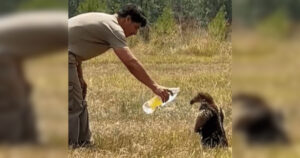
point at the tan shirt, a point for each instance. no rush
(91, 34)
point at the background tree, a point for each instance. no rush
(199, 11)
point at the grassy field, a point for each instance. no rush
(120, 128)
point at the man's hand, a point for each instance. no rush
(81, 80)
(163, 92)
(84, 87)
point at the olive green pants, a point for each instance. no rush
(78, 114)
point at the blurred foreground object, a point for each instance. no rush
(257, 121)
(23, 36)
(27, 34)
(266, 65)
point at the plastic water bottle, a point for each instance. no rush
(151, 105)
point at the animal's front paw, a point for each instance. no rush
(197, 131)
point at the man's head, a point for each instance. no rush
(131, 18)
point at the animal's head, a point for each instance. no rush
(202, 98)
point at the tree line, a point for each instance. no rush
(201, 11)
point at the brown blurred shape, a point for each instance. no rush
(24, 36)
(257, 121)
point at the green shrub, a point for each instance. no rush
(165, 24)
(91, 6)
(217, 27)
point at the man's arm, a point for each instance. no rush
(138, 71)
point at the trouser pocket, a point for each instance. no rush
(75, 99)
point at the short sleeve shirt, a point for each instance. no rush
(91, 34)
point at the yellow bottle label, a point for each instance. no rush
(155, 102)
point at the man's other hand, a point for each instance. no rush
(84, 87)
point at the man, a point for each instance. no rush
(90, 35)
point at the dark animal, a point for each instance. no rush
(257, 121)
(209, 123)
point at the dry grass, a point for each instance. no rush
(120, 127)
